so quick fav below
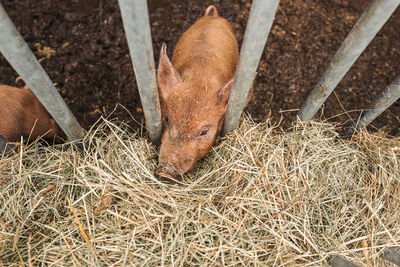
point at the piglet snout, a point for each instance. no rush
(168, 173)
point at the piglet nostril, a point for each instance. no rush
(167, 173)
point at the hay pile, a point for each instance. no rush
(261, 197)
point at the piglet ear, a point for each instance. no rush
(224, 93)
(168, 77)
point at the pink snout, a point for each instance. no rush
(174, 165)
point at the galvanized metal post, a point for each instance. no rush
(16, 51)
(339, 261)
(4, 146)
(137, 29)
(380, 104)
(392, 255)
(370, 22)
(262, 14)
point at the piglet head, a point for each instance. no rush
(192, 118)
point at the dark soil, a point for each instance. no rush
(82, 46)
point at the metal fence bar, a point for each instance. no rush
(16, 51)
(370, 22)
(339, 261)
(4, 146)
(262, 14)
(392, 255)
(380, 104)
(137, 29)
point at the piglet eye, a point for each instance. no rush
(203, 132)
(166, 119)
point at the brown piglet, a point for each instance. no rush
(194, 92)
(21, 114)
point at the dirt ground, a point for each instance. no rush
(82, 46)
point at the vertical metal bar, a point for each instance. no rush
(262, 14)
(4, 146)
(392, 255)
(339, 261)
(370, 22)
(16, 51)
(137, 29)
(380, 104)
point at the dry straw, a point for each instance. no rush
(261, 197)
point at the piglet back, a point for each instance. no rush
(21, 114)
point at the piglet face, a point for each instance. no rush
(190, 128)
(192, 119)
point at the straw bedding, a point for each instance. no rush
(261, 197)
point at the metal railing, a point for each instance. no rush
(260, 20)
(390, 254)
(137, 27)
(383, 101)
(367, 26)
(137, 30)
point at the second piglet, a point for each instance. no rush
(194, 90)
(21, 114)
